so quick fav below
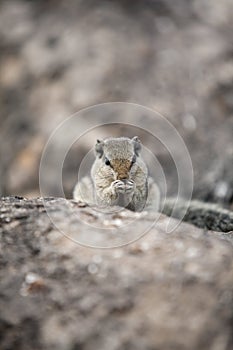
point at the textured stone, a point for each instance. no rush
(164, 291)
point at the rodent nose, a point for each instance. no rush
(123, 178)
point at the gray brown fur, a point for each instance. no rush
(119, 176)
(124, 182)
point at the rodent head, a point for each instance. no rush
(118, 155)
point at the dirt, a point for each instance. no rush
(164, 291)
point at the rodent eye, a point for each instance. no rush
(107, 161)
(133, 160)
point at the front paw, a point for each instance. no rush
(129, 186)
(118, 186)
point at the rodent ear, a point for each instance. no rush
(137, 145)
(99, 148)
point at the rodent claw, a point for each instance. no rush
(123, 187)
(129, 186)
(118, 186)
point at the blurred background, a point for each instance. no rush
(57, 57)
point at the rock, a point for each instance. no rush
(164, 291)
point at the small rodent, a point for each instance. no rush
(119, 176)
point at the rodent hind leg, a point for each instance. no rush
(154, 197)
(83, 191)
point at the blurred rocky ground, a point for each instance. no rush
(58, 57)
(165, 291)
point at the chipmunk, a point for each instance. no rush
(119, 177)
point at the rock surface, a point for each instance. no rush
(164, 291)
